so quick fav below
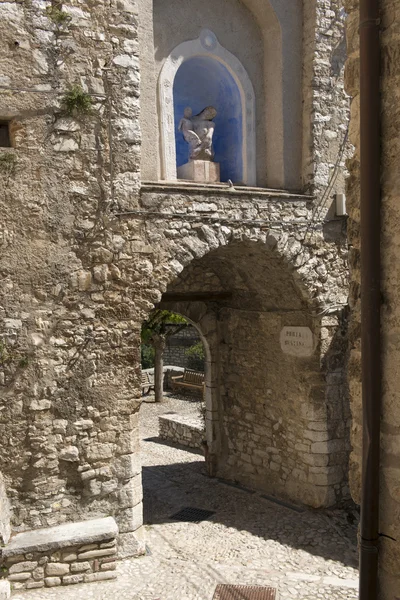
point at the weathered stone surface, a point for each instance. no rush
(19, 576)
(52, 581)
(80, 567)
(61, 536)
(181, 429)
(72, 579)
(23, 566)
(5, 589)
(79, 278)
(102, 576)
(56, 569)
(108, 566)
(69, 557)
(31, 585)
(96, 553)
(70, 454)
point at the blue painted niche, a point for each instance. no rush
(202, 81)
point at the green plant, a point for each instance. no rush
(195, 355)
(57, 15)
(8, 160)
(77, 101)
(147, 355)
(24, 361)
(4, 354)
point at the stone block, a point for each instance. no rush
(23, 566)
(31, 585)
(108, 566)
(110, 544)
(61, 536)
(69, 557)
(80, 567)
(99, 452)
(72, 579)
(52, 581)
(88, 547)
(38, 573)
(19, 577)
(131, 544)
(69, 454)
(56, 569)
(101, 576)
(202, 171)
(127, 466)
(131, 519)
(96, 553)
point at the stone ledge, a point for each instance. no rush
(61, 536)
(222, 189)
(186, 430)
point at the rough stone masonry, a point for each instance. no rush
(389, 547)
(87, 250)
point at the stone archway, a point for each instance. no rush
(269, 424)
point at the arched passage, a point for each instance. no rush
(269, 424)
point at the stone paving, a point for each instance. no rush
(309, 555)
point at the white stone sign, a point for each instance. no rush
(297, 341)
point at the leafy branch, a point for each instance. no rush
(57, 15)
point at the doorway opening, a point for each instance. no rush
(248, 487)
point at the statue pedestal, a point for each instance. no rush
(202, 171)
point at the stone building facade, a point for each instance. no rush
(92, 238)
(389, 546)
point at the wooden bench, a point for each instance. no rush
(147, 385)
(190, 379)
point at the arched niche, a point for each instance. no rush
(267, 38)
(198, 73)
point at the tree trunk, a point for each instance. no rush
(159, 346)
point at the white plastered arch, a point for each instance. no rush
(205, 45)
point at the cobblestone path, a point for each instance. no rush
(309, 555)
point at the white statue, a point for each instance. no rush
(198, 132)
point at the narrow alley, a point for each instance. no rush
(305, 554)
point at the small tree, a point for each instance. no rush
(155, 332)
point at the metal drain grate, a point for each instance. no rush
(244, 592)
(192, 515)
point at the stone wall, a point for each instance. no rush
(182, 429)
(390, 314)
(175, 352)
(85, 255)
(65, 555)
(250, 383)
(326, 114)
(66, 450)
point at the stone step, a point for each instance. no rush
(61, 536)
